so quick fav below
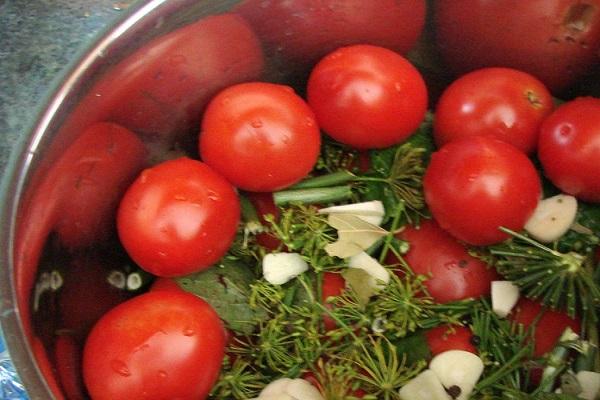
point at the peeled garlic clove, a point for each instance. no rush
(369, 211)
(457, 368)
(279, 268)
(505, 295)
(425, 386)
(552, 218)
(301, 389)
(276, 387)
(377, 272)
(590, 384)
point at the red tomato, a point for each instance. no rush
(95, 171)
(45, 368)
(67, 354)
(313, 28)
(333, 285)
(445, 337)
(367, 96)
(502, 102)
(165, 284)
(453, 273)
(165, 84)
(260, 136)
(158, 345)
(554, 40)
(475, 185)
(569, 148)
(548, 328)
(178, 217)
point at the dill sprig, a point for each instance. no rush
(238, 380)
(504, 346)
(383, 371)
(302, 229)
(558, 280)
(405, 307)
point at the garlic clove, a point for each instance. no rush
(425, 386)
(505, 295)
(590, 384)
(276, 387)
(279, 268)
(301, 389)
(457, 368)
(552, 218)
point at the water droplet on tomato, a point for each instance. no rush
(256, 123)
(214, 196)
(162, 374)
(310, 122)
(120, 368)
(398, 86)
(179, 197)
(189, 332)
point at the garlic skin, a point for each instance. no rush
(369, 211)
(290, 389)
(552, 218)
(379, 276)
(505, 295)
(279, 268)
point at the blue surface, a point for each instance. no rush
(38, 39)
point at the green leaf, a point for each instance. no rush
(226, 288)
(413, 348)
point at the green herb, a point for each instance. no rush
(559, 280)
(225, 288)
(505, 348)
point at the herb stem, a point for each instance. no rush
(556, 361)
(313, 195)
(328, 180)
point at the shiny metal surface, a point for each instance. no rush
(55, 130)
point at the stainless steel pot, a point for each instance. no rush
(152, 72)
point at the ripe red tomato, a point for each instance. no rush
(453, 273)
(178, 217)
(333, 285)
(260, 136)
(502, 102)
(313, 28)
(158, 345)
(94, 172)
(367, 96)
(67, 355)
(548, 328)
(165, 284)
(569, 148)
(475, 185)
(165, 84)
(445, 337)
(555, 40)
